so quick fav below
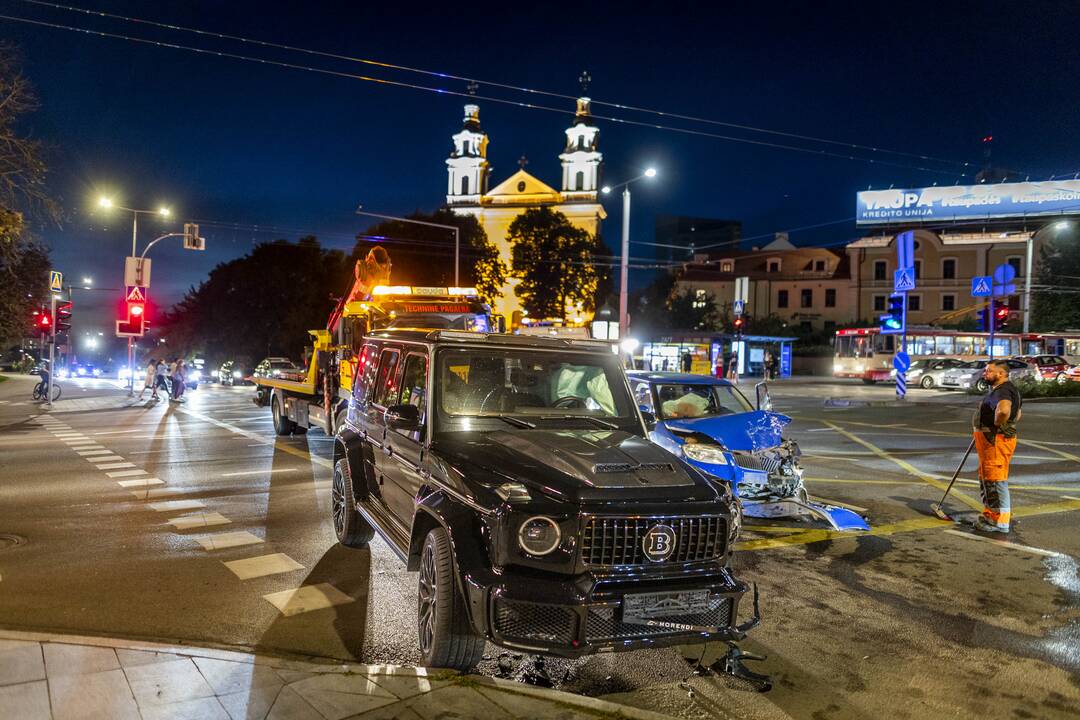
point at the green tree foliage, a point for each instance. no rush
(261, 304)
(554, 260)
(687, 311)
(24, 261)
(1058, 306)
(424, 255)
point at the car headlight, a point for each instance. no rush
(277, 373)
(705, 452)
(237, 374)
(196, 374)
(539, 535)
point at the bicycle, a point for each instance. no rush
(39, 391)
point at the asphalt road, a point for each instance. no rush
(909, 620)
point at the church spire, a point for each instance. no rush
(581, 158)
(467, 167)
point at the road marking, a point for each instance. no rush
(116, 466)
(70, 436)
(120, 432)
(155, 493)
(106, 459)
(187, 522)
(141, 482)
(221, 541)
(1070, 497)
(948, 422)
(125, 473)
(172, 505)
(263, 565)
(1004, 543)
(94, 451)
(926, 477)
(825, 429)
(258, 472)
(307, 598)
(277, 444)
(77, 441)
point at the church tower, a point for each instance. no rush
(581, 159)
(467, 166)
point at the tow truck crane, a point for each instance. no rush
(319, 396)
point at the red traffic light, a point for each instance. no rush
(1002, 313)
(44, 321)
(738, 322)
(135, 309)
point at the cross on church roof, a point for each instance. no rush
(584, 79)
(471, 88)
(522, 162)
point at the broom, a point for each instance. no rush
(936, 507)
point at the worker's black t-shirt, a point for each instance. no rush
(988, 407)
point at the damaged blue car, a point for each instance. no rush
(714, 427)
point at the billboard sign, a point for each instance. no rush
(967, 202)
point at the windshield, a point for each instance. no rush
(974, 364)
(679, 400)
(494, 382)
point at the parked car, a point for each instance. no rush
(714, 427)
(514, 474)
(1072, 374)
(969, 375)
(1047, 367)
(927, 372)
(276, 367)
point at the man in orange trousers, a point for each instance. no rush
(995, 439)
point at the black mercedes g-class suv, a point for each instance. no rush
(514, 474)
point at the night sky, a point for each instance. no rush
(237, 145)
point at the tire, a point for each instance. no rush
(927, 382)
(282, 424)
(868, 381)
(445, 635)
(1062, 378)
(981, 385)
(39, 391)
(339, 420)
(55, 392)
(351, 528)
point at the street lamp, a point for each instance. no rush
(623, 266)
(1059, 226)
(457, 234)
(108, 204)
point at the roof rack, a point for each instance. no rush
(506, 339)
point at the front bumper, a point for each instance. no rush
(582, 615)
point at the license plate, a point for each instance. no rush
(640, 607)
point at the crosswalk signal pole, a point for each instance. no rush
(52, 352)
(992, 319)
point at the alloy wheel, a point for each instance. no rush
(337, 502)
(426, 598)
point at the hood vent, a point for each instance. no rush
(628, 468)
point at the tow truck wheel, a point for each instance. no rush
(446, 638)
(351, 528)
(282, 424)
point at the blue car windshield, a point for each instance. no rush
(679, 400)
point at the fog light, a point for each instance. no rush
(539, 535)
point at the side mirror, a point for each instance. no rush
(402, 417)
(649, 418)
(764, 402)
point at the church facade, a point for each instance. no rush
(468, 175)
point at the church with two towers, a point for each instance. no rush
(468, 192)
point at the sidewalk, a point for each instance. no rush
(66, 677)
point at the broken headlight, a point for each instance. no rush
(705, 452)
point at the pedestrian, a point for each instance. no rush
(687, 362)
(733, 367)
(177, 379)
(151, 378)
(159, 372)
(995, 439)
(768, 365)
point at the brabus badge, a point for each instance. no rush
(659, 543)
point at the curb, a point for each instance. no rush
(589, 706)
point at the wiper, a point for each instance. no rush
(598, 421)
(516, 421)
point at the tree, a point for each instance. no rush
(261, 304)
(24, 261)
(424, 255)
(689, 311)
(554, 260)
(1057, 307)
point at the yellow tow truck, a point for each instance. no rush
(319, 396)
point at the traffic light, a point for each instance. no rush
(980, 318)
(739, 325)
(63, 317)
(895, 318)
(134, 325)
(44, 322)
(1001, 317)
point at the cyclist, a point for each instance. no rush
(41, 391)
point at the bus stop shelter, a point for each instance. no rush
(704, 350)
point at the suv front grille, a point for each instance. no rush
(604, 625)
(530, 621)
(757, 462)
(618, 541)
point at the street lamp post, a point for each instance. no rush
(108, 204)
(1057, 226)
(457, 234)
(624, 259)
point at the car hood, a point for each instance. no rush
(745, 432)
(575, 465)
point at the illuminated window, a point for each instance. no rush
(727, 266)
(699, 299)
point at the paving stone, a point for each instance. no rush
(62, 659)
(167, 682)
(25, 701)
(20, 661)
(199, 709)
(407, 685)
(134, 658)
(455, 701)
(340, 696)
(251, 704)
(289, 705)
(227, 677)
(94, 696)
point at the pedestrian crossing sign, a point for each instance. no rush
(904, 279)
(980, 286)
(136, 293)
(56, 280)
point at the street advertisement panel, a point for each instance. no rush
(967, 202)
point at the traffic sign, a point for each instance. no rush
(980, 286)
(1003, 280)
(739, 307)
(135, 293)
(904, 279)
(905, 249)
(901, 361)
(56, 280)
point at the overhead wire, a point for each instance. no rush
(472, 96)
